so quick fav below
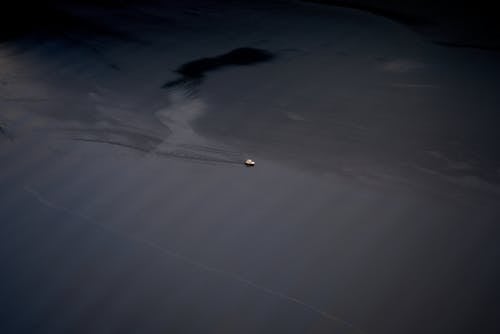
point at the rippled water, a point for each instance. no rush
(126, 207)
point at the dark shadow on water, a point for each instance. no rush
(470, 45)
(48, 19)
(448, 23)
(5, 133)
(381, 9)
(194, 71)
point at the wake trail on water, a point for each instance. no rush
(176, 154)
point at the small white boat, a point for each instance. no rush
(249, 163)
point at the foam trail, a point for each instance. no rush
(183, 142)
(168, 154)
(202, 266)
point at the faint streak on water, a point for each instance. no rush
(202, 266)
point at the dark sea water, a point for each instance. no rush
(125, 207)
